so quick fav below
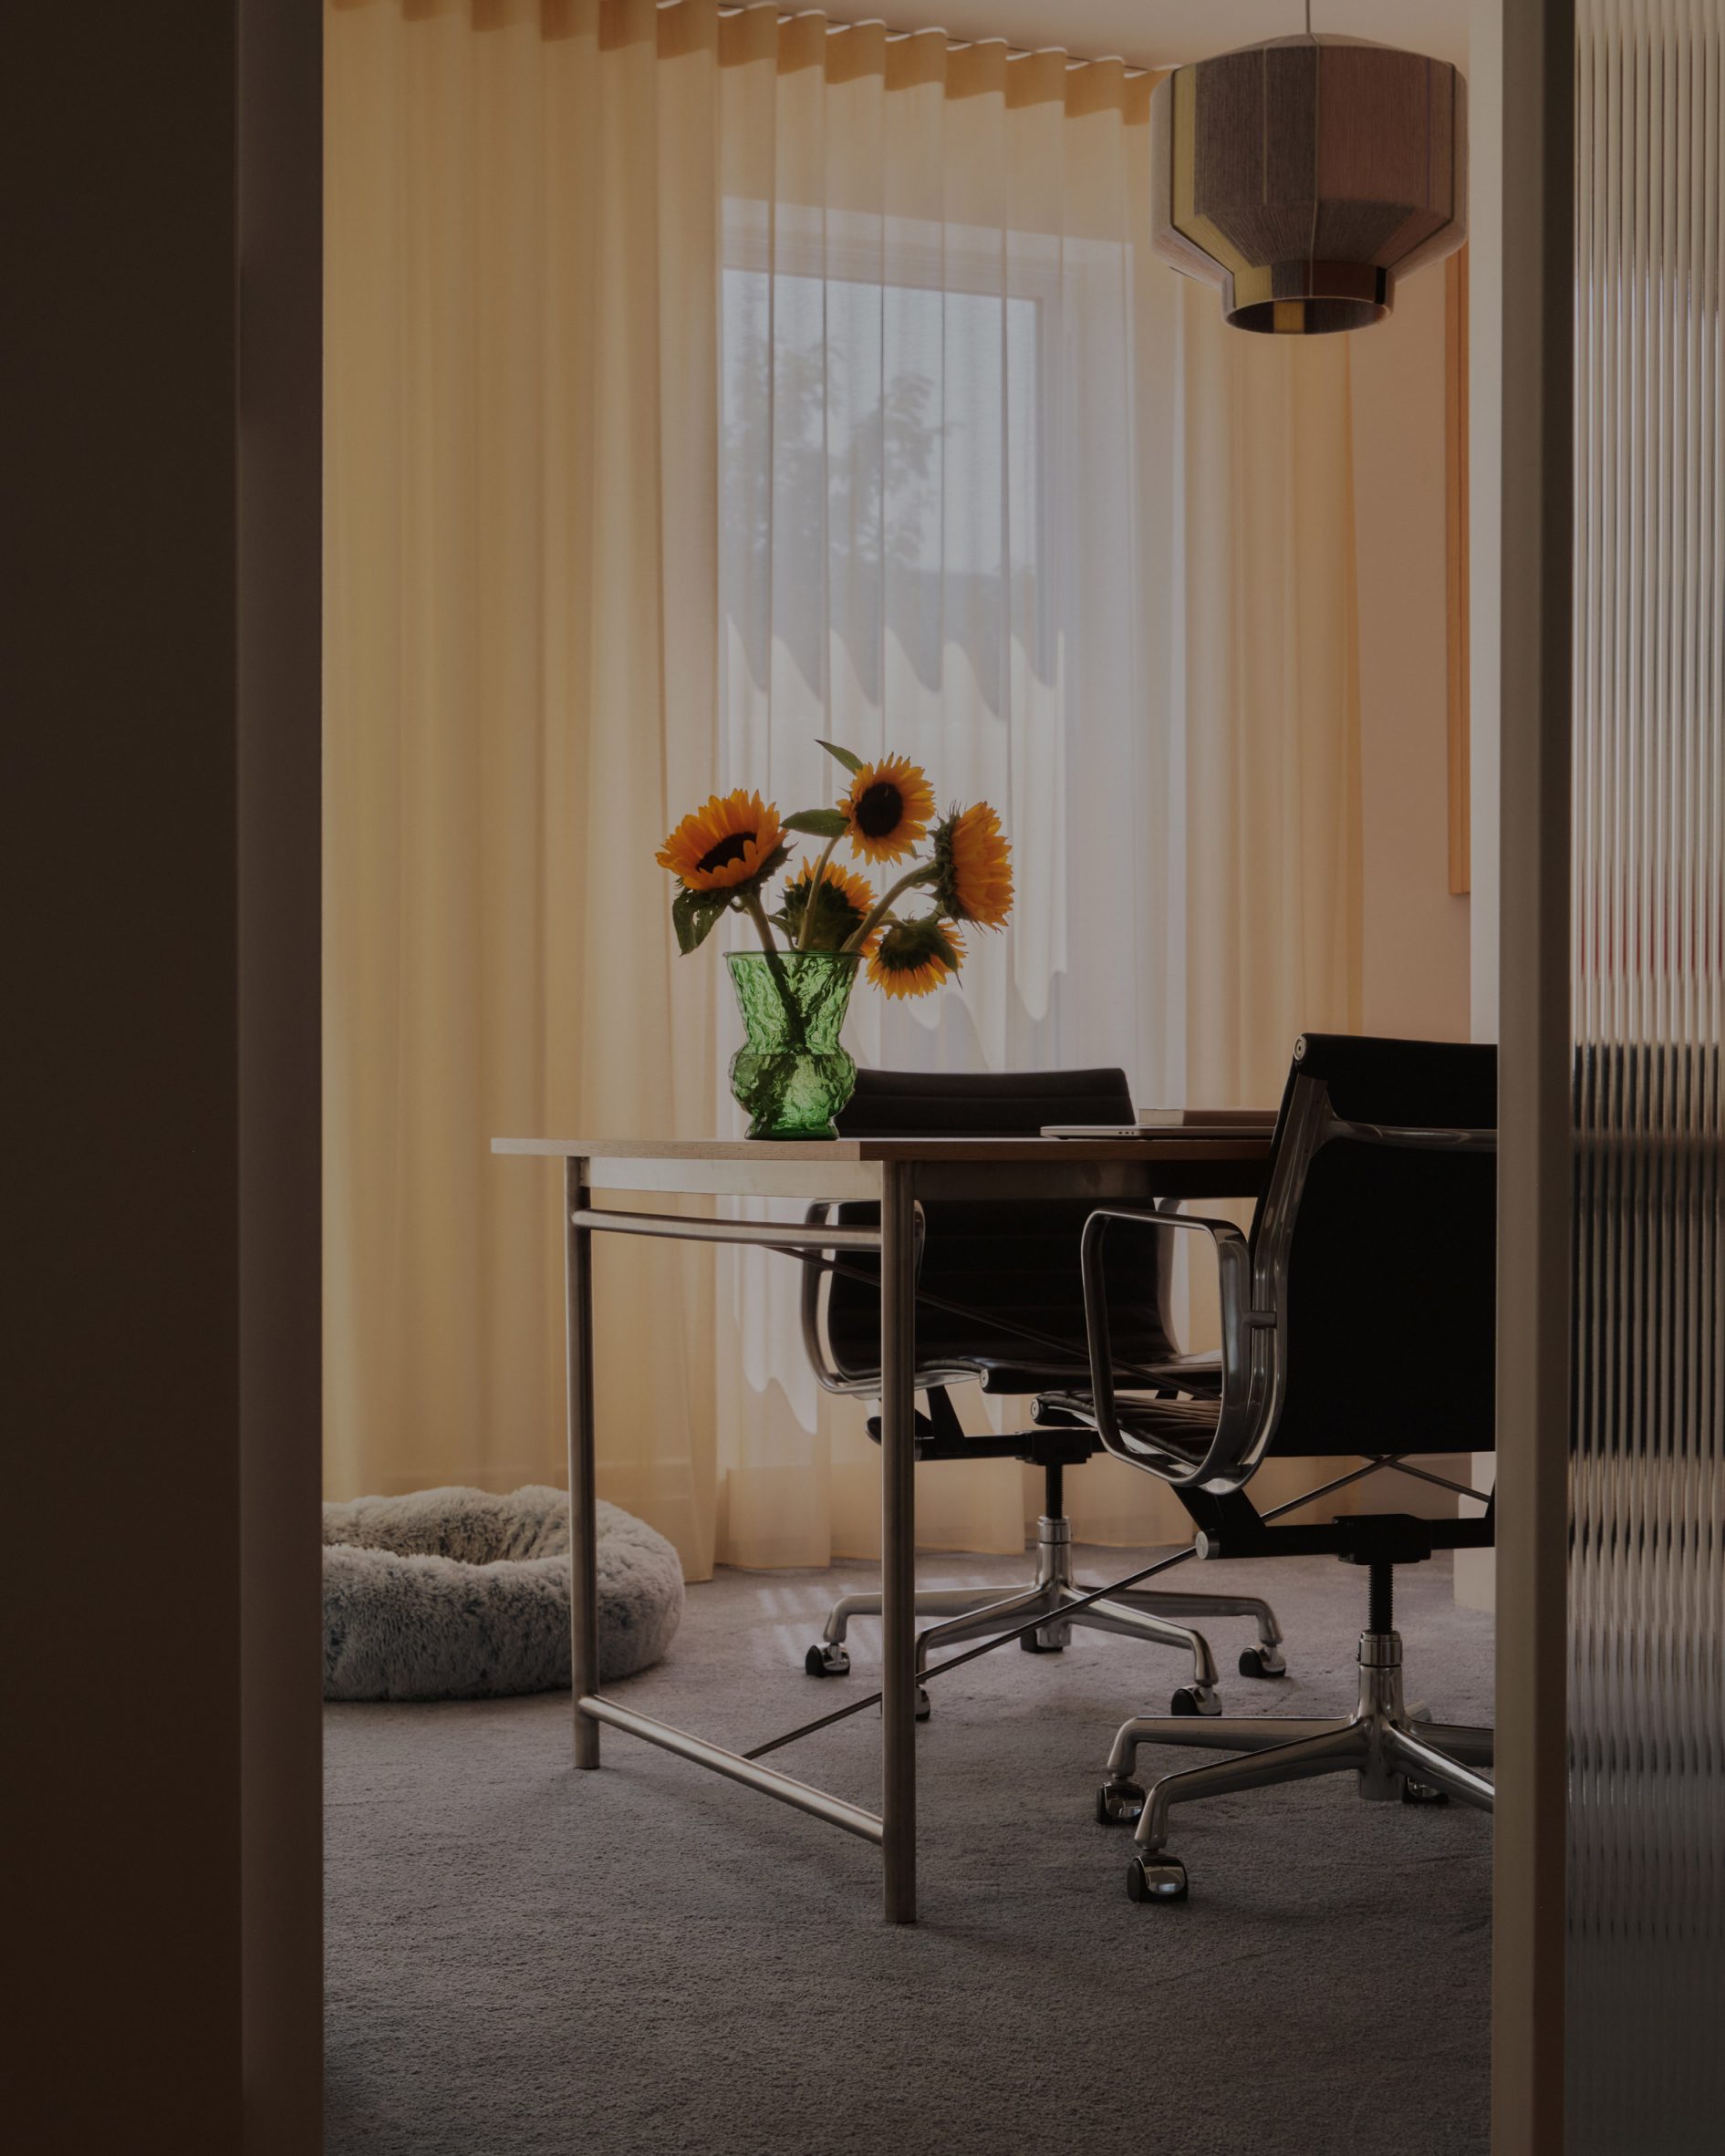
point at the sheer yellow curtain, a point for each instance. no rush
(521, 283)
(700, 385)
(1001, 492)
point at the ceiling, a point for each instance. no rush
(1161, 33)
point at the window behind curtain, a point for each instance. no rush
(887, 491)
(912, 474)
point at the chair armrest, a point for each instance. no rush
(813, 1341)
(828, 1375)
(1421, 1139)
(1241, 1321)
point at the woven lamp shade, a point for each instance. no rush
(1305, 176)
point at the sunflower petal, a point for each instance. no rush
(729, 844)
(840, 902)
(973, 866)
(917, 956)
(888, 808)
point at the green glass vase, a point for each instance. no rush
(791, 1075)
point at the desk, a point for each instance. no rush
(893, 1173)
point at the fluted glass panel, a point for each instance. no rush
(1647, 1822)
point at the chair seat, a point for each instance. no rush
(1000, 1373)
(1199, 1374)
(1176, 1432)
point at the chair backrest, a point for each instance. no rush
(1005, 1259)
(1389, 1248)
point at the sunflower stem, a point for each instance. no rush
(921, 873)
(750, 904)
(807, 928)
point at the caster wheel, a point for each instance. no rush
(1422, 1793)
(923, 1709)
(1263, 1661)
(1032, 1643)
(1155, 1879)
(822, 1661)
(1195, 1699)
(1118, 1803)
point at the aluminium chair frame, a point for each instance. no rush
(984, 1612)
(1395, 1751)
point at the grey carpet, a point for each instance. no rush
(525, 1960)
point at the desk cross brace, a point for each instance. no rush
(893, 1829)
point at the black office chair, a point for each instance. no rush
(1358, 1318)
(999, 1302)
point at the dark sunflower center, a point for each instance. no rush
(880, 810)
(729, 848)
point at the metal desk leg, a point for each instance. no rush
(898, 1541)
(584, 1582)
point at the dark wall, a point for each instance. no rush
(120, 656)
(280, 770)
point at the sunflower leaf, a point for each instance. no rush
(850, 763)
(695, 915)
(818, 822)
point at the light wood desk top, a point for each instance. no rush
(1173, 1163)
(1174, 1144)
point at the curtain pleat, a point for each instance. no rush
(521, 594)
(701, 384)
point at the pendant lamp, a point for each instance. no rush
(1305, 176)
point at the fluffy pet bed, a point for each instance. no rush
(457, 1594)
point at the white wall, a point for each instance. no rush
(1416, 931)
(1485, 378)
(1476, 1568)
(1414, 955)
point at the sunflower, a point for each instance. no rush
(916, 957)
(842, 904)
(728, 844)
(887, 809)
(973, 866)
